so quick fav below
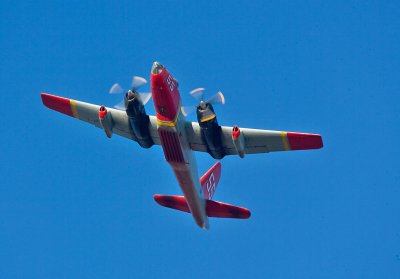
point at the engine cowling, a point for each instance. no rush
(138, 119)
(210, 130)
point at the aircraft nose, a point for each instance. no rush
(157, 68)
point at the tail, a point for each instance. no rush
(209, 182)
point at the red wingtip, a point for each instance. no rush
(300, 141)
(57, 103)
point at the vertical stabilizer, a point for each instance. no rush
(210, 179)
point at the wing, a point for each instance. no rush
(90, 114)
(256, 141)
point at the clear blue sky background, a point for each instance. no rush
(74, 204)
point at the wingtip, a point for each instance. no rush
(44, 97)
(301, 141)
(57, 103)
(157, 198)
(322, 142)
(246, 214)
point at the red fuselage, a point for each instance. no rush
(165, 93)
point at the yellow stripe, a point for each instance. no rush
(74, 110)
(171, 123)
(166, 123)
(285, 140)
(208, 118)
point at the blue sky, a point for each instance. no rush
(74, 204)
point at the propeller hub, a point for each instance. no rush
(130, 95)
(202, 105)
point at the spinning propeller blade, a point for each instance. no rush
(217, 99)
(145, 97)
(116, 89)
(197, 94)
(120, 105)
(137, 82)
(186, 110)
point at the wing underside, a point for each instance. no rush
(90, 113)
(256, 141)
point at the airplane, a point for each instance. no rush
(179, 138)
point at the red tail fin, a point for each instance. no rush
(209, 181)
(213, 208)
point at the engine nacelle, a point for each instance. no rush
(238, 141)
(210, 130)
(106, 121)
(138, 119)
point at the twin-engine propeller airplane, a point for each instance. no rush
(179, 138)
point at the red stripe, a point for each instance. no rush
(300, 141)
(60, 104)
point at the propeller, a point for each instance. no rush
(198, 94)
(137, 82)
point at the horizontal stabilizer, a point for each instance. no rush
(213, 208)
(225, 210)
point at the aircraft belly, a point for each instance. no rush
(180, 157)
(195, 202)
